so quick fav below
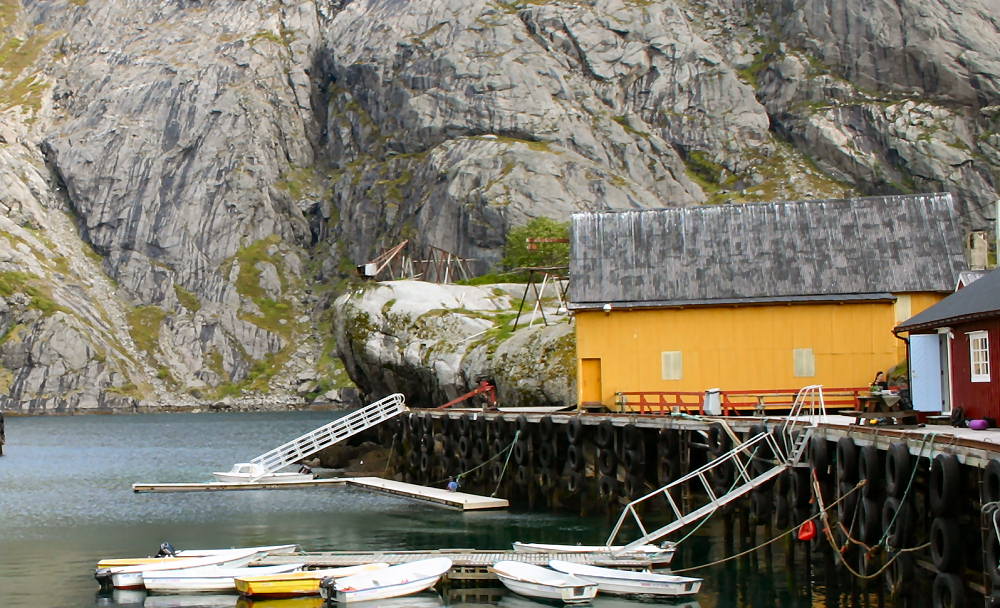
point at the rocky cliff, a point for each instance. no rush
(184, 184)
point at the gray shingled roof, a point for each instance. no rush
(978, 299)
(857, 248)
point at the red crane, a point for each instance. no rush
(485, 386)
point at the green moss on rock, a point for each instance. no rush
(187, 299)
(144, 326)
(35, 287)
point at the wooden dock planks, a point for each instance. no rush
(458, 500)
(220, 486)
(467, 564)
(439, 496)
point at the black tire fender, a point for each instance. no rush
(946, 544)
(899, 515)
(992, 550)
(948, 591)
(899, 575)
(574, 430)
(546, 428)
(898, 469)
(632, 436)
(847, 508)
(870, 522)
(575, 457)
(522, 453)
(546, 454)
(991, 482)
(819, 457)
(523, 426)
(761, 508)
(669, 442)
(635, 486)
(870, 468)
(464, 446)
(607, 461)
(633, 460)
(607, 487)
(799, 490)
(605, 435)
(847, 460)
(944, 484)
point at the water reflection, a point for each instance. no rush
(66, 502)
(517, 601)
(474, 596)
(292, 602)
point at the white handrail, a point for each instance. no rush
(742, 468)
(328, 434)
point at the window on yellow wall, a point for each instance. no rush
(671, 365)
(804, 362)
(903, 308)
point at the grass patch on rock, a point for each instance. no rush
(144, 326)
(13, 282)
(187, 299)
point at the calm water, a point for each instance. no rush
(66, 501)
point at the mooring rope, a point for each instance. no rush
(869, 550)
(388, 460)
(509, 449)
(507, 460)
(772, 540)
(906, 492)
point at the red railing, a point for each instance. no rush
(733, 403)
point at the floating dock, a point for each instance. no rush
(222, 486)
(467, 564)
(453, 500)
(459, 500)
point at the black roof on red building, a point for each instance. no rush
(976, 300)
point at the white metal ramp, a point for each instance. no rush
(329, 434)
(783, 450)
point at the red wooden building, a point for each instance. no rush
(954, 351)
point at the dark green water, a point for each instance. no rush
(66, 501)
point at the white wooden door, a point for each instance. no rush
(925, 373)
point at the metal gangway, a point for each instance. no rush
(328, 434)
(781, 449)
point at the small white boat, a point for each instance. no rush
(658, 554)
(130, 577)
(247, 472)
(294, 584)
(627, 582)
(394, 581)
(538, 582)
(207, 578)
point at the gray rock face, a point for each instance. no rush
(229, 161)
(433, 342)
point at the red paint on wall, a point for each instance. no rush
(978, 399)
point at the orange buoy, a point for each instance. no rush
(807, 531)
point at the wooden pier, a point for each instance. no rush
(467, 564)
(453, 500)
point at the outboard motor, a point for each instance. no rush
(166, 550)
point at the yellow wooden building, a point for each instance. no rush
(755, 297)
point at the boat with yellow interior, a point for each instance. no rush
(291, 584)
